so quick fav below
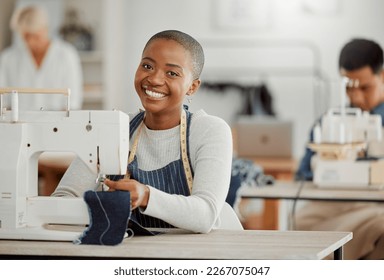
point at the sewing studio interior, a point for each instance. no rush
(205, 129)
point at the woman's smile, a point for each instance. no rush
(153, 94)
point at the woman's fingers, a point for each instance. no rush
(139, 192)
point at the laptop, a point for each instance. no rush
(264, 137)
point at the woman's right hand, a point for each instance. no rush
(139, 192)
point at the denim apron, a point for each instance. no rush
(174, 178)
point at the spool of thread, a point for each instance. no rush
(317, 134)
(341, 135)
(15, 106)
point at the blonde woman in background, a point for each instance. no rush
(40, 62)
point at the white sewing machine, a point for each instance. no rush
(99, 138)
(343, 135)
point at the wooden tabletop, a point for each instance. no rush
(219, 244)
(308, 191)
(276, 163)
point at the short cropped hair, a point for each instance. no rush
(29, 19)
(189, 43)
(359, 53)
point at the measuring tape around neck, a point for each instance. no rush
(183, 145)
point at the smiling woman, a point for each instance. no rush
(162, 80)
(179, 166)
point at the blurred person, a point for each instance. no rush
(40, 62)
(360, 60)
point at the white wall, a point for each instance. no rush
(288, 21)
(126, 25)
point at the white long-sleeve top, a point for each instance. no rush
(210, 146)
(61, 68)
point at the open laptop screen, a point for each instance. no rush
(264, 137)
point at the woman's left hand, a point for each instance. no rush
(139, 192)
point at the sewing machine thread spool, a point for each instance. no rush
(341, 137)
(317, 134)
(15, 106)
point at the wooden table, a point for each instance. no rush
(219, 244)
(308, 191)
(282, 169)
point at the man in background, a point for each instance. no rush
(38, 61)
(361, 61)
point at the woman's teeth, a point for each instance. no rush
(154, 94)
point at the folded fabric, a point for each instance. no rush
(109, 213)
